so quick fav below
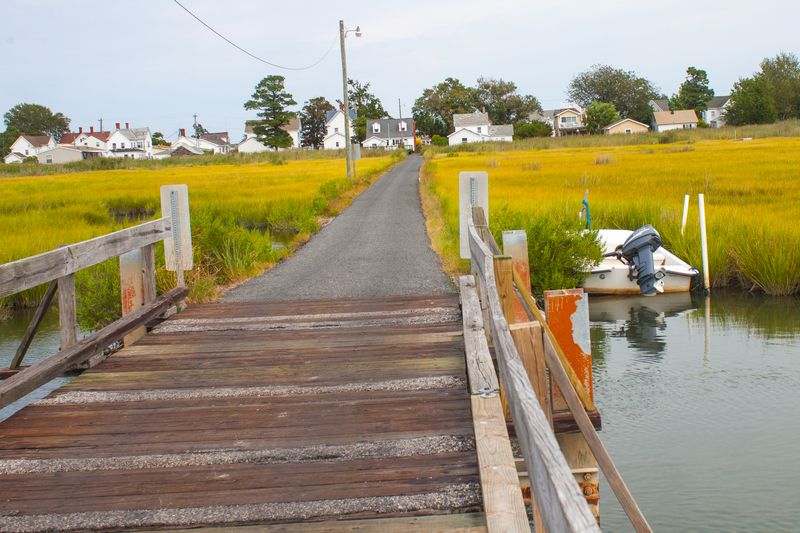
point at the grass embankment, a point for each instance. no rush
(244, 219)
(751, 190)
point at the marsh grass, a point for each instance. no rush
(751, 191)
(236, 210)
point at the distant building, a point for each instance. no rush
(66, 153)
(662, 104)
(217, 143)
(674, 120)
(28, 146)
(92, 139)
(389, 133)
(334, 129)
(251, 144)
(626, 126)
(714, 115)
(476, 127)
(567, 120)
(127, 142)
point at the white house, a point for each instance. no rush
(251, 144)
(130, 142)
(476, 127)
(28, 146)
(674, 120)
(714, 115)
(91, 139)
(389, 133)
(218, 143)
(65, 153)
(334, 128)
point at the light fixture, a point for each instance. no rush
(358, 31)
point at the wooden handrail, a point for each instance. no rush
(27, 273)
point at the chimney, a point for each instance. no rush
(117, 125)
(183, 132)
(91, 129)
(80, 130)
(127, 126)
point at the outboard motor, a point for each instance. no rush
(637, 251)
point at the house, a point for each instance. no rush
(66, 153)
(28, 146)
(162, 152)
(130, 142)
(568, 121)
(389, 133)
(217, 143)
(476, 127)
(334, 128)
(674, 120)
(185, 151)
(714, 115)
(251, 144)
(94, 139)
(626, 126)
(662, 104)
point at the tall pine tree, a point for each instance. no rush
(271, 100)
(694, 92)
(312, 120)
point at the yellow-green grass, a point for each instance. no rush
(237, 211)
(751, 189)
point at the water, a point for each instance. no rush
(45, 343)
(701, 409)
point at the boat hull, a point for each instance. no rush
(614, 280)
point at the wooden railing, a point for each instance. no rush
(135, 246)
(559, 504)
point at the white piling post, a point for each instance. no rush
(685, 212)
(178, 245)
(704, 242)
(473, 191)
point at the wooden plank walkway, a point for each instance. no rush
(258, 413)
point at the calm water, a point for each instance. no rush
(701, 409)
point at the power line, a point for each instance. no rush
(218, 34)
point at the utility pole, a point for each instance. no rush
(400, 119)
(348, 149)
(100, 120)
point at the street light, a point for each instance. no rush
(342, 34)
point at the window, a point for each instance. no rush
(26, 151)
(337, 143)
(464, 140)
(713, 113)
(403, 126)
(113, 146)
(569, 121)
(479, 129)
(628, 131)
(376, 128)
(97, 145)
(139, 144)
(336, 130)
(122, 146)
(48, 159)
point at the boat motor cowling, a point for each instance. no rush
(638, 250)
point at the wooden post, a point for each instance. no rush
(177, 246)
(137, 284)
(515, 244)
(568, 318)
(473, 191)
(67, 311)
(41, 310)
(505, 289)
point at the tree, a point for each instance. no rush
(438, 140)
(7, 138)
(694, 92)
(158, 139)
(433, 111)
(199, 130)
(312, 120)
(751, 102)
(271, 100)
(535, 128)
(500, 99)
(599, 115)
(35, 119)
(630, 93)
(365, 104)
(783, 74)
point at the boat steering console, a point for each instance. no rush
(637, 252)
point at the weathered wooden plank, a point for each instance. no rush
(67, 311)
(482, 376)
(40, 373)
(27, 273)
(502, 497)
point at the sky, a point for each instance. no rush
(148, 63)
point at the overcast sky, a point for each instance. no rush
(149, 63)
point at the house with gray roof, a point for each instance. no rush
(714, 115)
(390, 133)
(477, 127)
(334, 129)
(217, 143)
(130, 142)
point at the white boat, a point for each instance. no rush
(612, 276)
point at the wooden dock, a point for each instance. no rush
(256, 413)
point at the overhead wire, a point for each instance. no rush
(257, 58)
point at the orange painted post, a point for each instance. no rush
(568, 317)
(515, 245)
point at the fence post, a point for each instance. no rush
(177, 246)
(67, 311)
(137, 284)
(473, 191)
(568, 317)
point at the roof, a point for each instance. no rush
(330, 113)
(478, 118)
(459, 130)
(135, 134)
(717, 102)
(501, 130)
(69, 138)
(662, 104)
(617, 123)
(71, 148)
(292, 125)
(557, 112)
(220, 138)
(681, 116)
(390, 128)
(184, 148)
(541, 116)
(37, 140)
(127, 150)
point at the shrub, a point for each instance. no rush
(525, 130)
(438, 140)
